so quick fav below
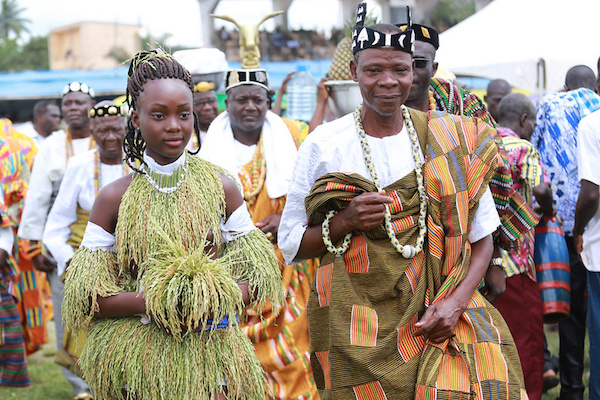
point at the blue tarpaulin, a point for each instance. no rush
(45, 83)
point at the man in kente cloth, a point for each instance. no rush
(396, 204)
(259, 148)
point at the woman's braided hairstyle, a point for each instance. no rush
(146, 66)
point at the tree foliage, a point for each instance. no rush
(12, 25)
(32, 55)
(449, 13)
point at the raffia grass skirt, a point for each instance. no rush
(151, 364)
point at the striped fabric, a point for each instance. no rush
(527, 173)
(16, 158)
(281, 342)
(362, 341)
(515, 213)
(13, 364)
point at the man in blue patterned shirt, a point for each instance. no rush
(555, 136)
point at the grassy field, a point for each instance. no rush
(48, 382)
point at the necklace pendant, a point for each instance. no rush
(408, 251)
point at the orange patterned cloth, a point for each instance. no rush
(31, 286)
(281, 342)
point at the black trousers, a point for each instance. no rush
(572, 331)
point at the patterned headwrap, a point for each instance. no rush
(424, 34)
(366, 38)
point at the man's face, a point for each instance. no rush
(529, 125)
(384, 76)
(75, 106)
(49, 119)
(247, 107)
(493, 98)
(424, 68)
(108, 133)
(206, 107)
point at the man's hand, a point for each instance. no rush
(495, 283)
(578, 240)
(43, 263)
(270, 225)
(439, 321)
(365, 212)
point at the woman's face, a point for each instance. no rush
(165, 118)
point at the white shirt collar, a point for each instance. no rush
(164, 169)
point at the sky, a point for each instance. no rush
(180, 18)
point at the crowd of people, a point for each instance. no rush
(384, 254)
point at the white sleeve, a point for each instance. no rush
(96, 238)
(294, 220)
(588, 148)
(486, 219)
(39, 196)
(7, 239)
(238, 224)
(62, 215)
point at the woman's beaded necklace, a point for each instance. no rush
(98, 172)
(166, 183)
(407, 251)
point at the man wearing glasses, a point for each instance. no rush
(429, 93)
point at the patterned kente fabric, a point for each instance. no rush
(364, 305)
(16, 157)
(555, 136)
(281, 342)
(514, 212)
(527, 173)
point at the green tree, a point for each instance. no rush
(448, 13)
(34, 54)
(11, 20)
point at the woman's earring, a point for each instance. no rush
(138, 134)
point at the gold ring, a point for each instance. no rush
(270, 236)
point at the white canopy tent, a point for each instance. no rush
(530, 43)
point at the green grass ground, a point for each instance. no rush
(48, 382)
(552, 338)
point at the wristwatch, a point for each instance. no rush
(496, 261)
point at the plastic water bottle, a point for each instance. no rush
(301, 96)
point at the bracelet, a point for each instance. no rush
(497, 261)
(337, 251)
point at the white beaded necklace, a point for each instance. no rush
(407, 251)
(166, 183)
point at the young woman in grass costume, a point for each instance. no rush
(169, 259)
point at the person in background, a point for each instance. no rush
(46, 116)
(46, 176)
(496, 90)
(16, 158)
(555, 137)
(430, 93)
(85, 175)
(206, 66)
(521, 303)
(586, 234)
